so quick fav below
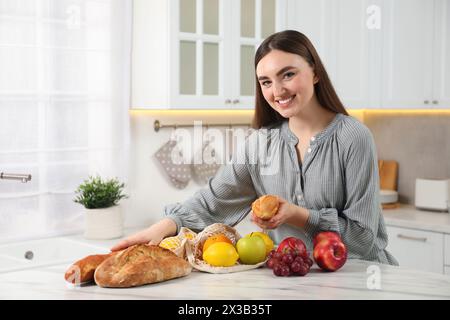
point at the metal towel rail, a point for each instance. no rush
(157, 125)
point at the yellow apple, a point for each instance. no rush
(267, 241)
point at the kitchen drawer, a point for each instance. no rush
(447, 249)
(417, 249)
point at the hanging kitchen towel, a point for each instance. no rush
(210, 164)
(170, 156)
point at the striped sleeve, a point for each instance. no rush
(226, 199)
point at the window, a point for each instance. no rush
(64, 95)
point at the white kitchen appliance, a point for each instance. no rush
(433, 194)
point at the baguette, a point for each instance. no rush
(83, 270)
(138, 265)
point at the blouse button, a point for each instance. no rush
(309, 150)
(313, 138)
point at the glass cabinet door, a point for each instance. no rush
(201, 51)
(214, 55)
(256, 21)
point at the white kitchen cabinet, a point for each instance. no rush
(347, 47)
(198, 54)
(417, 249)
(392, 54)
(447, 270)
(408, 37)
(353, 61)
(416, 54)
(312, 18)
(441, 58)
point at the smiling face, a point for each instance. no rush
(287, 82)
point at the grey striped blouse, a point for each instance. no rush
(337, 182)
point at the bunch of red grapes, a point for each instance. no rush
(289, 263)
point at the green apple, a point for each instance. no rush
(251, 250)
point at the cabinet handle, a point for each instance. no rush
(426, 102)
(435, 102)
(401, 236)
(228, 101)
(235, 101)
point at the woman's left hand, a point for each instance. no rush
(286, 211)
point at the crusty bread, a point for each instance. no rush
(83, 270)
(138, 265)
(265, 207)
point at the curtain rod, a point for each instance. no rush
(157, 125)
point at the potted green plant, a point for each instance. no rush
(100, 197)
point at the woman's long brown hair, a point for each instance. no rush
(297, 43)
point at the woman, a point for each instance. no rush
(326, 173)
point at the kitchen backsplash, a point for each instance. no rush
(149, 187)
(418, 141)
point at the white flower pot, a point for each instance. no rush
(105, 223)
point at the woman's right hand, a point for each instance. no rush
(152, 235)
(143, 236)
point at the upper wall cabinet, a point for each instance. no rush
(415, 54)
(381, 53)
(347, 47)
(198, 54)
(408, 53)
(441, 61)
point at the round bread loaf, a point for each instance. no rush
(265, 207)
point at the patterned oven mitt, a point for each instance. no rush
(170, 156)
(210, 164)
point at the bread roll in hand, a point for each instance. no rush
(265, 207)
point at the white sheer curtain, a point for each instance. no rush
(64, 97)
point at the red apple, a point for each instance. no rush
(325, 235)
(294, 245)
(330, 254)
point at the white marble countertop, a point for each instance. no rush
(350, 282)
(356, 280)
(408, 216)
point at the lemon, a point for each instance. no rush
(221, 254)
(265, 237)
